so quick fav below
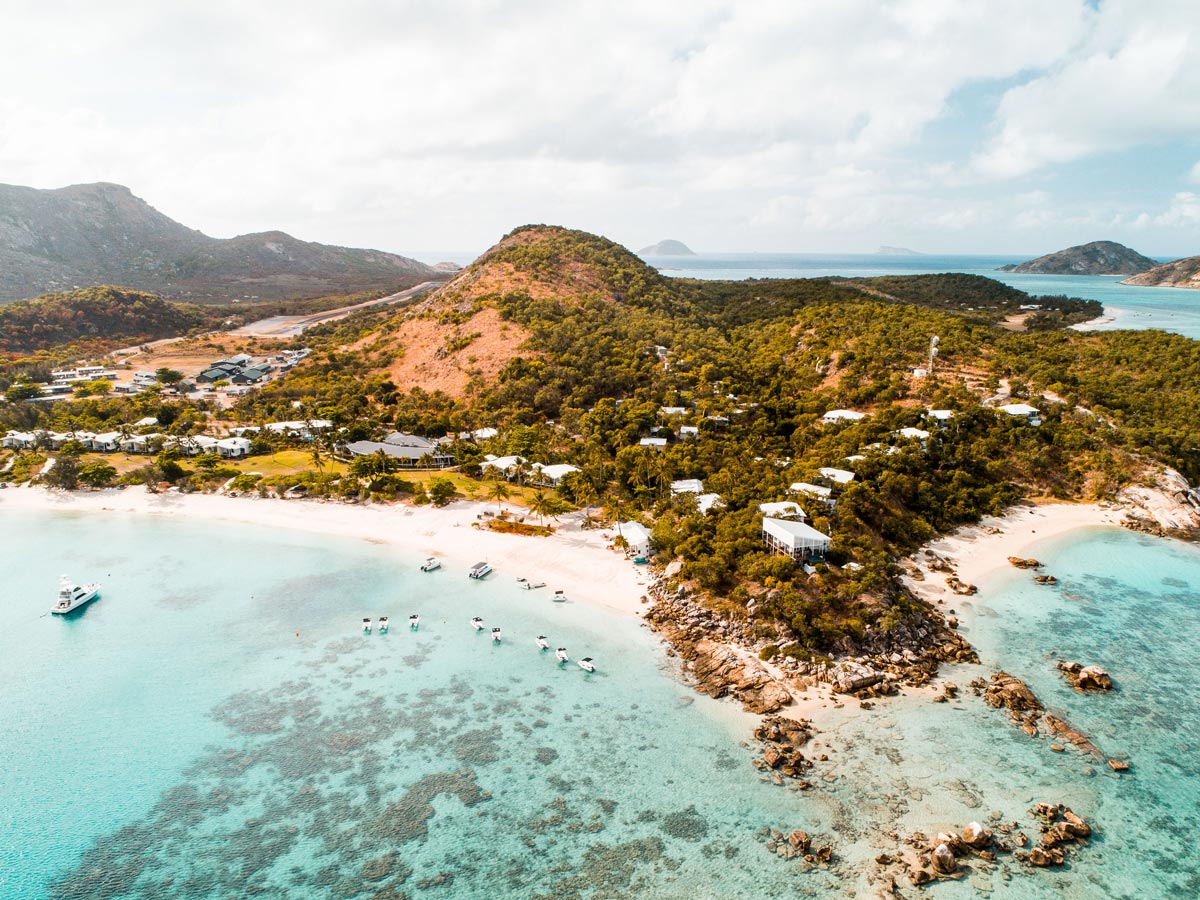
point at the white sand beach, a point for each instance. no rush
(572, 560)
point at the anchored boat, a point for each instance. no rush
(480, 570)
(366, 626)
(587, 665)
(561, 654)
(477, 623)
(72, 596)
(414, 621)
(496, 635)
(542, 643)
(383, 624)
(560, 597)
(431, 565)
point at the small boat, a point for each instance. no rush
(431, 565)
(496, 635)
(561, 654)
(414, 621)
(367, 626)
(542, 642)
(530, 585)
(383, 624)
(560, 597)
(587, 665)
(72, 596)
(477, 623)
(480, 570)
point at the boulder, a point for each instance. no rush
(1094, 678)
(944, 861)
(976, 836)
(800, 841)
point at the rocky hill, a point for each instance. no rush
(1182, 273)
(667, 248)
(1096, 258)
(90, 234)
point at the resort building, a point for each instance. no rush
(19, 440)
(835, 476)
(1030, 414)
(508, 466)
(636, 536)
(784, 509)
(305, 429)
(812, 490)
(654, 443)
(140, 443)
(914, 434)
(233, 447)
(941, 416)
(409, 449)
(842, 415)
(689, 431)
(672, 410)
(108, 442)
(795, 539)
(687, 486)
(553, 474)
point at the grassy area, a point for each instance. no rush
(284, 462)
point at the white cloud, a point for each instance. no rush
(1184, 211)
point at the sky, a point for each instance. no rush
(947, 126)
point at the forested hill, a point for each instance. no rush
(90, 234)
(94, 319)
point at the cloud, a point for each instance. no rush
(1184, 211)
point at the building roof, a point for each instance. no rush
(233, 443)
(841, 476)
(146, 422)
(940, 414)
(399, 451)
(653, 442)
(705, 502)
(795, 534)
(402, 439)
(913, 433)
(672, 410)
(816, 490)
(687, 486)
(504, 463)
(784, 509)
(293, 425)
(843, 415)
(556, 471)
(1018, 409)
(635, 533)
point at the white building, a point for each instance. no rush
(784, 509)
(672, 410)
(843, 415)
(794, 539)
(19, 440)
(705, 502)
(233, 447)
(914, 434)
(108, 442)
(941, 416)
(299, 429)
(837, 476)
(687, 486)
(811, 490)
(1031, 414)
(655, 443)
(689, 431)
(508, 466)
(636, 536)
(552, 474)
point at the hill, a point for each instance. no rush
(885, 250)
(667, 248)
(94, 319)
(1182, 273)
(90, 234)
(1096, 258)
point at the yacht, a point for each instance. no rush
(587, 665)
(480, 570)
(561, 654)
(414, 621)
(496, 635)
(383, 623)
(72, 596)
(477, 623)
(542, 643)
(431, 565)
(367, 626)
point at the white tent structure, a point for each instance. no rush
(793, 538)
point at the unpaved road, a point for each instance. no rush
(290, 326)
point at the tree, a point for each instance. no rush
(441, 490)
(208, 461)
(97, 474)
(64, 473)
(541, 506)
(168, 376)
(498, 492)
(21, 390)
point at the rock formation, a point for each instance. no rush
(1085, 678)
(1182, 273)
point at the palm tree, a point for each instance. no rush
(541, 506)
(499, 492)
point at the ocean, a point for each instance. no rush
(217, 725)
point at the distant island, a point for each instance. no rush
(885, 250)
(667, 248)
(1096, 258)
(1181, 273)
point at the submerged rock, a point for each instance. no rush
(1085, 678)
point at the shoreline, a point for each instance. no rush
(573, 560)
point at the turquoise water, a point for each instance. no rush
(178, 738)
(1127, 306)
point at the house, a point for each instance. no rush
(552, 474)
(842, 415)
(705, 502)
(233, 447)
(108, 442)
(636, 536)
(147, 422)
(655, 443)
(19, 440)
(139, 443)
(672, 410)
(795, 539)
(508, 466)
(812, 490)
(1031, 414)
(481, 434)
(409, 449)
(914, 434)
(689, 431)
(784, 509)
(194, 445)
(836, 476)
(303, 429)
(252, 375)
(687, 486)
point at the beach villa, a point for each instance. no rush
(687, 486)
(636, 536)
(409, 449)
(19, 440)
(233, 447)
(689, 431)
(795, 539)
(108, 442)
(551, 475)
(914, 434)
(941, 416)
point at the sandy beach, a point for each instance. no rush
(572, 560)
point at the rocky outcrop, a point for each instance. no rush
(1022, 563)
(781, 740)
(1162, 504)
(1182, 273)
(1085, 678)
(1096, 258)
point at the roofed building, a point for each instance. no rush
(794, 539)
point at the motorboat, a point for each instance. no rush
(560, 597)
(587, 665)
(542, 643)
(530, 585)
(366, 626)
(561, 654)
(383, 624)
(477, 623)
(414, 621)
(480, 570)
(72, 596)
(431, 565)
(496, 635)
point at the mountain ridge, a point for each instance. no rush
(86, 235)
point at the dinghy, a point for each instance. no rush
(383, 624)
(561, 653)
(366, 626)
(542, 643)
(496, 635)
(477, 623)
(431, 565)
(413, 621)
(587, 665)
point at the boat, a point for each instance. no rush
(561, 654)
(587, 665)
(414, 621)
(431, 565)
(542, 642)
(530, 585)
(367, 626)
(72, 596)
(480, 570)
(383, 624)
(496, 635)
(560, 597)
(477, 623)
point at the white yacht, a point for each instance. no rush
(587, 665)
(496, 635)
(72, 596)
(366, 626)
(383, 624)
(561, 654)
(431, 565)
(477, 623)
(413, 621)
(480, 570)
(542, 643)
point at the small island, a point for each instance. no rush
(885, 250)
(1181, 273)
(667, 248)
(1096, 258)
